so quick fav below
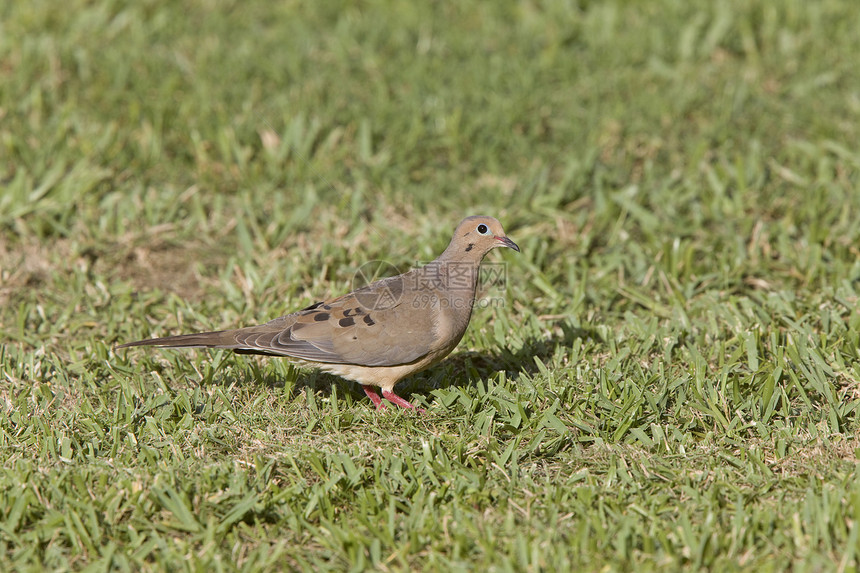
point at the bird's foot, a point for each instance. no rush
(374, 397)
(391, 397)
(394, 398)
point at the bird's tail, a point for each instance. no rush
(235, 340)
(216, 339)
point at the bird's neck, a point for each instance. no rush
(462, 255)
(458, 274)
(450, 287)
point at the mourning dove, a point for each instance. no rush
(382, 332)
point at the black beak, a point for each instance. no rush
(506, 242)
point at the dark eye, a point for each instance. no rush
(483, 229)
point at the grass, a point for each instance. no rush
(671, 383)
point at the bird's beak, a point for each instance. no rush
(506, 242)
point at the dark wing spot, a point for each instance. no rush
(368, 321)
(327, 306)
(348, 321)
(358, 310)
(312, 307)
(321, 316)
(469, 248)
(248, 351)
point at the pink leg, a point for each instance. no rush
(392, 397)
(374, 397)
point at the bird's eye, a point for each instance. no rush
(483, 229)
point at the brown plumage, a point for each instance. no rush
(380, 333)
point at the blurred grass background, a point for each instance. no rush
(672, 382)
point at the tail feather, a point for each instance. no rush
(216, 339)
(271, 339)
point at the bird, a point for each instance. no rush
(379, 333)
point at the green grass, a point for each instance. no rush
(672, 380)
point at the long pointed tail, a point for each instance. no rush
(271, 339)
(216, 339)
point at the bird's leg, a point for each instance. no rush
(392, 397)
(374, 397)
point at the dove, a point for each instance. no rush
(380, 333)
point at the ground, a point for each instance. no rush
(666, 378)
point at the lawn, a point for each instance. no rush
(667, 378)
